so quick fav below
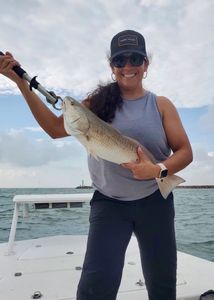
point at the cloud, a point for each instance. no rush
(206, 120)
(201, 155)
(41, 162)
(66, 44)
(19, 150)
(33, 129)
(63, 173)
(201, 170)
(148, 3)
(182, 44)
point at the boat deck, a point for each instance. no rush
(52, 266)
(49, 268)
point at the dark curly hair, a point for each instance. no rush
(104, 101)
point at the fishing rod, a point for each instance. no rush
(51, 97)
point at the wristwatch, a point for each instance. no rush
(163, 171)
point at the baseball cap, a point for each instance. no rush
(128, 41)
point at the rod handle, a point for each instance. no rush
(18, 70)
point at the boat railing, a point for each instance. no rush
(42, 201)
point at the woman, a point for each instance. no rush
(127, 199)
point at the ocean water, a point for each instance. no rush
(194, 219)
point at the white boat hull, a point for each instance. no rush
(46, 268)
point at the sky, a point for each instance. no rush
(66, 44)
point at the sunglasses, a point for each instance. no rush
(134, 59)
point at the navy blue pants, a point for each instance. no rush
(112, 223)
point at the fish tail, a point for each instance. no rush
(167, 184)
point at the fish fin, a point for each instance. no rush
(71, 131)
(167, 184)
(90, 152)
(133, 140)
(93, 155)
(77, 132)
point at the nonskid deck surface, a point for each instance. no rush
(52, 266)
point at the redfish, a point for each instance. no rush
(101, 140)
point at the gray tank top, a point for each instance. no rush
(141, 120)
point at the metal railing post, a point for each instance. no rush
(13, 230)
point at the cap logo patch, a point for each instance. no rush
(126, 40)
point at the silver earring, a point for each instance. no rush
(144, 76)
(113, 77)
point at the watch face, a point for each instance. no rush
(164, 173)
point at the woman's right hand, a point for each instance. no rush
(7, 62)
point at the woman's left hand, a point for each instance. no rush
(143, 168)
